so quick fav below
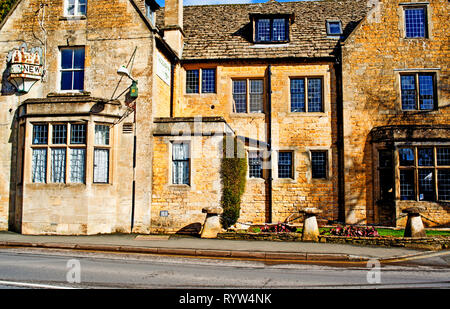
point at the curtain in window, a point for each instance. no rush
(101, 165)
(58, 165)
(39, 165)
(77, 165)
(101, 135)
(180, 158)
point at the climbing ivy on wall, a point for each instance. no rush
(233, 175)
(5, 6)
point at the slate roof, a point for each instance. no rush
(225, 31)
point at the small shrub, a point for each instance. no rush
(354, 231)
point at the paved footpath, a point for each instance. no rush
(192, 246)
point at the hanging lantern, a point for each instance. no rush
(134, 89)
(26, 68)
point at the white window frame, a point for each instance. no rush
(70, 70)
(75, 9)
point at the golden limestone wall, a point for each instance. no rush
(373, 58)
(297, 132)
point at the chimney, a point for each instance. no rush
(173, 25)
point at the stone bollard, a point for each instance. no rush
(212, 226)
(414, 225)
(310, 227)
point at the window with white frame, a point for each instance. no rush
(180, 163)
(65, 144)
(75, 7)
(101, 153)
(72, 69)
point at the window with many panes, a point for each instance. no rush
(255, 164)
(248, 95)
(72, 69)
(101, 153)
(271, 30)
(207, 78)
(59, 151)
(418, 91)
(415, 21)
(307, 94)
(180, 164)
(424, 173)
(75, 7)
(319, 164)
(285, 164)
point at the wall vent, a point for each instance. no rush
(127, 128)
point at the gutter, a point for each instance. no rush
(340, 136)
(269, 142)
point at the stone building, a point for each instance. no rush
(319, 92)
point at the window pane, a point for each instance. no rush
(407, 191)
(415, 23)
(443, 156)
(180, 166)
(319, 164)
(279, 30)
(426, 91)
(406, 156)
(314, 95)
(256, 96)
(82, 7)
(209, 80)
(66, 80)
(255, 164)
(101, 134)
(77, 165)
(285, 165)
(408, 86)
(444, 185)
(240, 96)
(40, 134)
(192, 81)
(78, 80)
(334, 27)
(78, 134)
(263, 30)
(425, 157)
(39, 166)
(426, 184)
(101, 165)
(66, 58)
(78, 58)
(70, 7)
(298, 95)
(58, 164)
(59, 134)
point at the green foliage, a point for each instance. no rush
(5, 6)
(233, 174)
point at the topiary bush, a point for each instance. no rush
(233, 173)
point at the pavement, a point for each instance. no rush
(270, 251)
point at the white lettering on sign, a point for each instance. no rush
(163, 69)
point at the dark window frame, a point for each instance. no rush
(325, 167)
(306, 97)
(416, 92)
(249, 95)
(411, 7)
(271, 19)
(200, 82)
(328, 25)
(291, 165)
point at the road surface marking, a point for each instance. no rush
(34, 285)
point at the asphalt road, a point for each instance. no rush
(47, 269)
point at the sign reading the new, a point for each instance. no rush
(163, 68)
(25, 67)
